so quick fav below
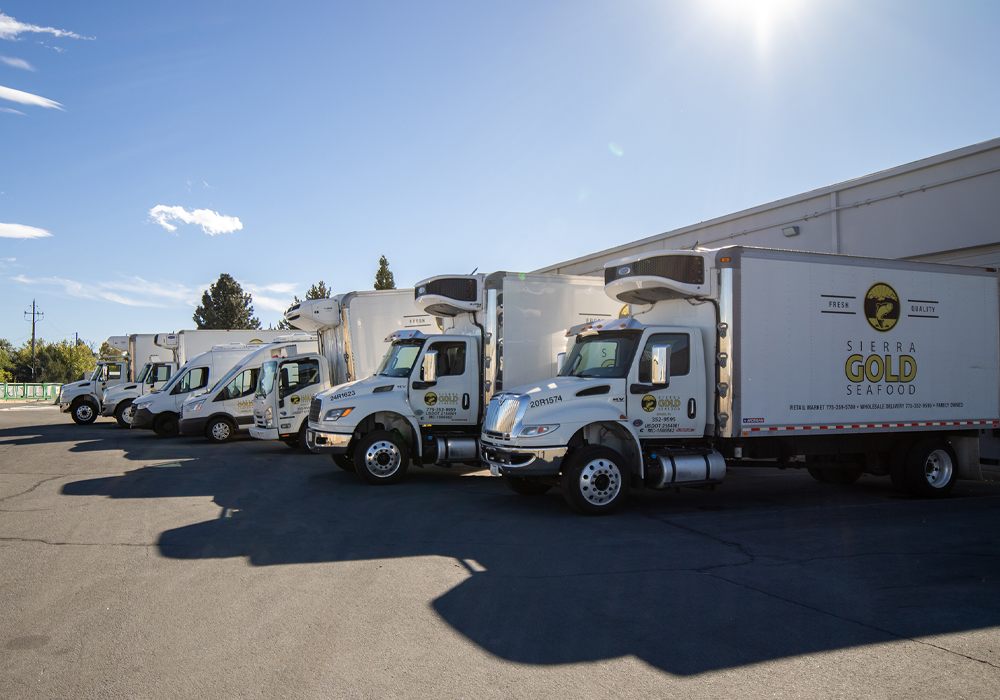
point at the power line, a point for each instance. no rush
(36, 315)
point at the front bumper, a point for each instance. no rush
(520, 461)
(192, 426)
(142, 418)
(327, 443)
(264, 433)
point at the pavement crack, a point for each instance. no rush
(51, 478)
(851, 620)
(75, 544)
(740, 548)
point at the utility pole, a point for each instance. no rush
(36, 315)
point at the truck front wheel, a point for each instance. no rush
(525, 486)
(381, 458)
(123, 413)
(930, 468)
(83, 413)
(595, 482)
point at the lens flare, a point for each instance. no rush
(616, 149)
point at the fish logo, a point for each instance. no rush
(648, 403)
(294, 399)
(882, 307)
(430, 398)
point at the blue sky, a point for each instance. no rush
(159, 144)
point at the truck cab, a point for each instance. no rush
(82, 400)
(285, 390)
(118, 400)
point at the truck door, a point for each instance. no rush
(453, 398)
(157, 377)
(676, 410)
(298, 381)
(237, 396)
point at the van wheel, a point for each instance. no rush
(595, 481)
(381, 458)
(525, 486)
(83, 413)
(219, 430)
(165, 425)
(930, 468)
(124, 412)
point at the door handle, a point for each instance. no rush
(692, 408)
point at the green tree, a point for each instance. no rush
(225, 306)
(6, 360)
(383, 278)
(317, 291)
(108, 350)
(60, 362)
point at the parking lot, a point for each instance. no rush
(134, 566)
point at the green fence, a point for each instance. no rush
(35, 392)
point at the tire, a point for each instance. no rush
(817, 473)
(595, 482)
(841, 477)
(930, 468)
(165, 425)
(525, 486)
(123, 413)
(220, 430)
(345, 462)
(83, 413)
(381, 458)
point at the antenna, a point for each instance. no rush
(474, 271)
(36, 314)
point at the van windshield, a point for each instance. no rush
(607, 354)
(173, 380)
(398, 362)
(266, 382)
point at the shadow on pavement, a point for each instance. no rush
(769, 566)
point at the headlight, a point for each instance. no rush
(195, 407)
(141, 404)
(268, 418)
(336, 413)
(536, 430)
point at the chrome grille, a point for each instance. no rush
(501, 413)
(314, 409)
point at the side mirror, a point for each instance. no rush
(560, 358)
(430, 366)
(660, 370)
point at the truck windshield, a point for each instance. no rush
(607, 354)
(398, 362)
(142, 373)
(266, 382)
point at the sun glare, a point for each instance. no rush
(762, 17)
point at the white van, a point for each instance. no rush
(159, 411)
(227, 408)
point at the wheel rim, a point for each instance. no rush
(938, 468)
(383, 458)
(600, 481)
(127, 413)
(220, 430)
(84, 412)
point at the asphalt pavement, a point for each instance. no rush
(134, 566)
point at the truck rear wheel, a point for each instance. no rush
(381, 458)
(165, 425)
(219, 430)
(930, 468)
(123, 413)
(525, 486)
(595, 481)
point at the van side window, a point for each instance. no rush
(680, 355)
(243, 384)
(196, 378)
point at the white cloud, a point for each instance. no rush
(10, 28)
(211, 222)
(16, 63)
(262, 300)
(22, 231)
(8, 110)
(26, 98)
(129, 291)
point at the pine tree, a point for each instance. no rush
(317, 291)
(383, 278)
(225, 306)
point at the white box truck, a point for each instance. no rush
(352, 330)
(160, 410)
(428, 395)
(841, 365)
(226, 409)
(147, 372)
(82, 399)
